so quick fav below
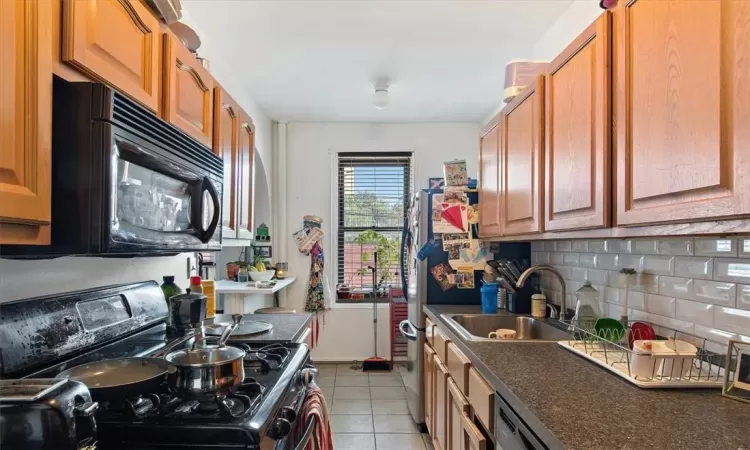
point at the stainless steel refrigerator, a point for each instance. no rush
(421, 288)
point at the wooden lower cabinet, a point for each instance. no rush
(482, 399)
(472, 438)
(458, 407)
(440, 343)
(429, 386)
(429, 331)
(458, 365)
(440, 432)
(25, 122)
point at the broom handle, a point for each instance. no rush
(375, 303)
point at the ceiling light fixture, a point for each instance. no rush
(380, 96)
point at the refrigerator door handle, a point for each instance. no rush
(404, 234)
(408, 330)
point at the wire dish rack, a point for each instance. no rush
(612, 351)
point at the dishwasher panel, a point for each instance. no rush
(511, 433)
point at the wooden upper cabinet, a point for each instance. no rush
(116, 41)
(521, 155)
(246, 172)
(188, 91)
(489, 178)
(578, 127)
(681, 110)
(25, 122)
(227, 116)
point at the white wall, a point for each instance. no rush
(347, 333)
(21, 279)
(571, 23)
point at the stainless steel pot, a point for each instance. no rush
(209, 369)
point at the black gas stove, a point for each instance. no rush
(129, 321)
(263, 408)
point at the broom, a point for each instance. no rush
(375, 363)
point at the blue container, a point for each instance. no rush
(489, 298)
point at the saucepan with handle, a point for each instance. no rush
(125, 377)
(188, 372)
(210, 368)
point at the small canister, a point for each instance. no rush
(502, 298)
(281, 269)
(539, 306)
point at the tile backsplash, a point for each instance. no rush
(696, 285)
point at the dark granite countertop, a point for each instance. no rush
(572, 403)
(286, 327)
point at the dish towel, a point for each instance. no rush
(315, 406)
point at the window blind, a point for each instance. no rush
(373, 197)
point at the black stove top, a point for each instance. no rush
(44, 336)
(238, 419)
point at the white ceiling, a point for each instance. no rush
(317, 60)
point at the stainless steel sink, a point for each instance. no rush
(476, 327)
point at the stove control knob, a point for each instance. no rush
(280, 429)
(288, 414)
(309, 376)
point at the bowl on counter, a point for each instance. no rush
(266, 275)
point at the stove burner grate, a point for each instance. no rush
(223, 404)
(270, 357)
(135, 407)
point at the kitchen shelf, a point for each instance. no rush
(233, 287)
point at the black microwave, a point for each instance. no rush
(125, 182)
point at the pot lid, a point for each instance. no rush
(187, 296)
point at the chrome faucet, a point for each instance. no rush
(527, 273)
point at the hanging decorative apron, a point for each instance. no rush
(308, 242)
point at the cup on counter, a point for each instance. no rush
(502, 333)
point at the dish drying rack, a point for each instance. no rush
(612, 352)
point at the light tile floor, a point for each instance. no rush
(368, 411)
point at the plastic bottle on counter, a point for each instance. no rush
(502, 298)
(489, 298)
(170, 289)
(195, 284)
(209, 290)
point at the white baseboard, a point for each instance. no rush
(347, 360)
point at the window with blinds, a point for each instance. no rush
(373, 197)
